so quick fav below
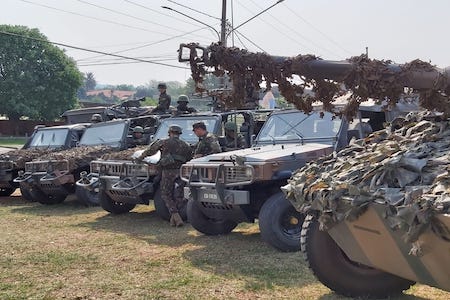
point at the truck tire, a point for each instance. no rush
(5, 192)
(207, 225)
(86, 197)
(161, 208)
(46, 199)
(280, 224)
(26, 194)
(335, 270)
(112, 206)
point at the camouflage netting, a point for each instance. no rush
(122, 155)
(376, 79)
(20, 157)
(79, 156)
(407, 169)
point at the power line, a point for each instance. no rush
(93, 51)
(158, 12)
(319, 31)
(197, 11)
(238, 32)
(94, 18)
(286, 35)
(128, 15)
(147, 45)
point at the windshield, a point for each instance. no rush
(298, 127)
(109, 134)
(52, 138)
(186, 124)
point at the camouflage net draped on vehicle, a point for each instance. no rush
(407, 170)
(79, 156)
(20, 157)
(122, 155)
(377, 79)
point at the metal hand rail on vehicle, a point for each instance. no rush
(227, 171)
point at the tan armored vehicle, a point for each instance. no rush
(379, 212)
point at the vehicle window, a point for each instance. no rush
(110, 134)
(299, 126)
(186, 124)
(49, 138)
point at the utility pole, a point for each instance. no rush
(223, 28)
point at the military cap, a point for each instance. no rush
(175, 128)
(230, 126)
(183, 98)
(162, 85)
(199, 125)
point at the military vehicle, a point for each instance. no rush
(225, 189)
(122, 184)
(50, 179)
(125, 109)
(42, 141)
(399, 201)
(381, 224)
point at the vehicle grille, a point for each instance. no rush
(228, 175)
(123, 168)
(6, 165)
(47, 166)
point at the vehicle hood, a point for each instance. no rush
(267, 153)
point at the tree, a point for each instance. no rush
(89, 81)
(37, 79)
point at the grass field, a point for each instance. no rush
(68, 251)
(12, 142)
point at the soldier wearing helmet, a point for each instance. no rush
(164, 100)
(138, 136)
(174, 153)
(96, 118)
(233, 139)
(182, 107)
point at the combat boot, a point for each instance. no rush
(176, 220)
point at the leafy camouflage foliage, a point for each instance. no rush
(407, 169)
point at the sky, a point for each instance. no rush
(399, 30)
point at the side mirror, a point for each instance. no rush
(252, 139)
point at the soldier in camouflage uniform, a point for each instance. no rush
(138, 136)
(183, 107)
(164, 100)
(207, 142)
(174, 153)
(233, 140)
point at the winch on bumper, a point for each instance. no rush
(122, 181)
(49, 176)
(214, 183)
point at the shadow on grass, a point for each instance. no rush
(241, 254)
(70, 206)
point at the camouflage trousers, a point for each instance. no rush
(172, 189)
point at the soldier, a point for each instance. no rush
(138, 136)
(183, 107)
(174, 153)
(96, 118)
(164, 100)
(207, 142)
(233, 140)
